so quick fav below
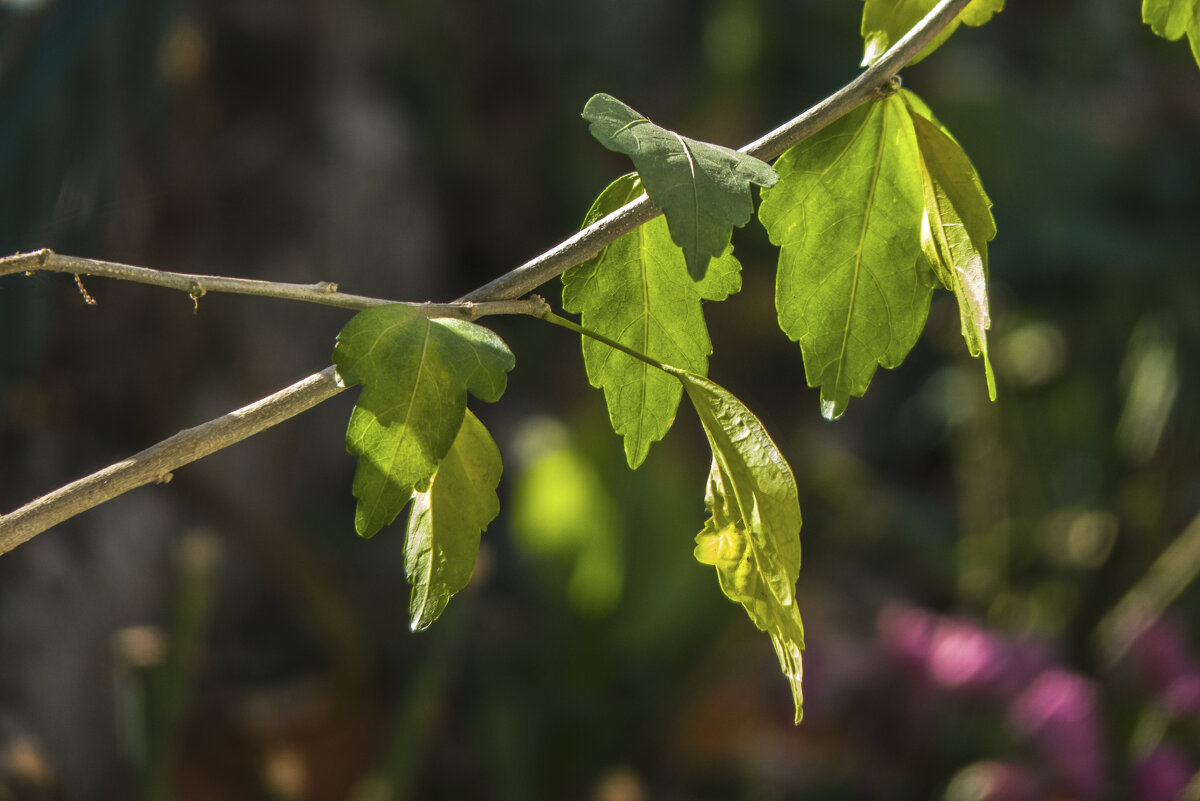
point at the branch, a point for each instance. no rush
(197, 286)
(156, 463)
(597, 236)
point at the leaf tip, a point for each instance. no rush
(991, 377)
(832, 408)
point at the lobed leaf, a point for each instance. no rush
(1172, 19)
(884, 22)
(752, 536)
(703, 189)
(637, 292)
(415, 373)
(446, 520)
(846, 215)
(956, 227)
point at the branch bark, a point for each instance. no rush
(197, 286)
(157, 462)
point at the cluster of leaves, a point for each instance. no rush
(871, 215)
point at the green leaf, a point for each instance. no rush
(884, 22)
(564, 515)
(415, 374)
(752, 536)
(956, 228)
(1172, 19)
(446, 520)
(703, 189)
(846, 214)
(637, 292)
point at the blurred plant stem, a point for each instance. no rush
(155, 671)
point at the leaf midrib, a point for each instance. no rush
(837, 383)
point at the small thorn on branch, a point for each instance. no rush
(88, 299)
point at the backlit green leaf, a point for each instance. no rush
(415, 374)
(703, 189)
(637, 292)
(956, 228)
(846, 214)
(884, 22)
(752, 536)
(446, 520)
(1172, 19)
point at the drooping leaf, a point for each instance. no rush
(415, 373)
(446, 520)
(956, 227)
(1172, 19)
(884, 22)
(846, 214)
(703, 189)
(637, 292)
(752, 536)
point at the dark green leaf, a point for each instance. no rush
(752, 536)
(1172, 19)
(446, 519)
(703, 189)
(415, 374)
(884, 22)
(846, 214)
(637, 292)
(956, 228)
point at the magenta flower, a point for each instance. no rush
(958, 653)
(1161, 775)
(1160, 654)
(1059, 711)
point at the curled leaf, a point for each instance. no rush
(752, 536)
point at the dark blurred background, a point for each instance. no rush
(998, 596)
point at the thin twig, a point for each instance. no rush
(156, 463)
(197, 286)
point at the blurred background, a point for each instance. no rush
(999, 597)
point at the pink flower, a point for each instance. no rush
(1161, 775)
(1059, 711)
(958, 653)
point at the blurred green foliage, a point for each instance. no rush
(417, 150)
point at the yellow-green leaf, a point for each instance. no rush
(956, 227)
(416, 374)
(1172, 19)
(846, 215)
(752, 536)
(884, 22)
(637, 292)
(446, 520)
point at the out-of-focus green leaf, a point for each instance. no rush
(1172, 19)
(956, 228)
(752, 536)
(846, 214)
(415, 373)
(884, 22)
(562, 511)
(703, 189)
(446, 520)
(637, 292)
